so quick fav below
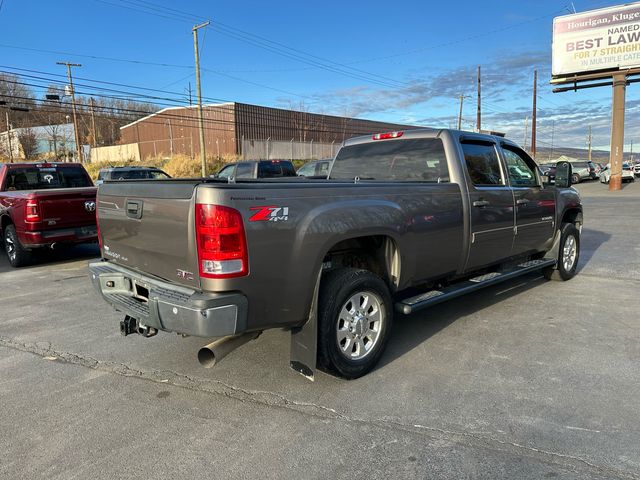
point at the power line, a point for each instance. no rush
(137, 87)
(162, 117)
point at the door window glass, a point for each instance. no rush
(227, 171)
(521, 174)
(483, 163)
(244, 170)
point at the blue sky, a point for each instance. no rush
(402, 62)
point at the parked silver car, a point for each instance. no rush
(583, 171)
(627, 173)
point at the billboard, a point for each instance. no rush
(603, 39)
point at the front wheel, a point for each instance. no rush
(568, 255)
(18, 255)
(355, 314)
(575, 178)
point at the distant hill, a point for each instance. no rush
(545, 155)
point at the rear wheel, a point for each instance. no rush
(575, 178)
(568, 255)
(17, 254)
(355, 315)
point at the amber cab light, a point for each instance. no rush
(32, 211)
(222, 246)
(385, 136)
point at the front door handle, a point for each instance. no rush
(481, 203)
(522, 201)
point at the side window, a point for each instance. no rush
(521, 173)
(227, 171)
(323, 168)
(244, 170)
(483, 164)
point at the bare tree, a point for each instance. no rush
(28, 143)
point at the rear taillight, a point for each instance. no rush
(222, 247)
(32, 213)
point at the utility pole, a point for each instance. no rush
(190, 101)
(462, 97)
(533, 117)
(73, 107)
(617, 130)
(203, 156)
(526, 133)
(631, 158)
(93, 123)
(170, 138)
(6, 114)
(553, 131)
(479, 113)
(589, 142)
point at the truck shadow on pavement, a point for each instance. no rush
(66, 254)
(409, 331)
(591, 240)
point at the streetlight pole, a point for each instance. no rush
(203, 156)
(73, 107)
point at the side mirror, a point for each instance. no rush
(563, 175)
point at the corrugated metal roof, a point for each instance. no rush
(186, 107)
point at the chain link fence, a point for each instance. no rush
(291, 150)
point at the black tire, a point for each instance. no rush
(575, 178)
(568, 230)
(18, 255)
(336, 290)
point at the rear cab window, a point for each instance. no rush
(275, 168)
(38, 177)
(417, 160)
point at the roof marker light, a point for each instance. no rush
(385, 136)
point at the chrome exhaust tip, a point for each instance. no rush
(212, 354)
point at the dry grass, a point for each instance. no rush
(180, 166)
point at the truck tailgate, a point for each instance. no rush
(66, 207)
(150, 228)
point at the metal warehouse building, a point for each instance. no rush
(248, 130)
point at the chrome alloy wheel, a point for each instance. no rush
(359, 325)
(569, 253)
(10, 247)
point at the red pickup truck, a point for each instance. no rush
(44, 204)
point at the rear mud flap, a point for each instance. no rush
(304, 341)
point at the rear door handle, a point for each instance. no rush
(481, 203)
(522, 201)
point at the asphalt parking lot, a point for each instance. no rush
(528, 379)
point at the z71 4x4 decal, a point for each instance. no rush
(269, 213)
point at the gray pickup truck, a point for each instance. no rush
(404, 221)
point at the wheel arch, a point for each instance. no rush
(4, 221)
(573, 215)
(378, 253)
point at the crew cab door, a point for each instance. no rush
(491, 205)
(535, 205)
